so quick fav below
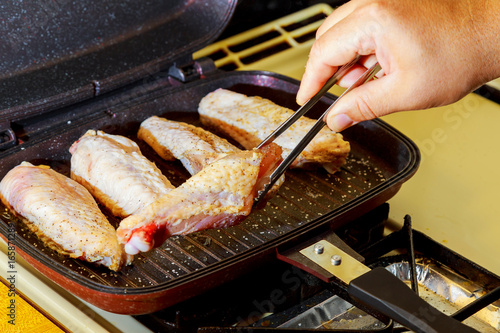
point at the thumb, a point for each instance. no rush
(368, 101)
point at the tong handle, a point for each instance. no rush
(382, 291)
(320, 123)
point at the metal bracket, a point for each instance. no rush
(334, 260)
(8, 138)
(330, 243)
(192, 70)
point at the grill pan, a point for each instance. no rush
(308, 203)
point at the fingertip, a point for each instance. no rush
(307, 89)
(362, 103)
(339, 122)
(301, 97)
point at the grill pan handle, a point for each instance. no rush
(375, 289)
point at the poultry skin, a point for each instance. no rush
(114, 170)
(249, 120)
(63, 214)
(193, 146)
(219, 196)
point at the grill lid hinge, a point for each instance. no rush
(193, 70)
(8, 138)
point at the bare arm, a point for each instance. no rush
(432, 53)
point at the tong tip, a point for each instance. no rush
(259, 199)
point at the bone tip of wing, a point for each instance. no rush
(136, 244)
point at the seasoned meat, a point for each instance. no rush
(218, 196)
(63, 214)
(249, 120)
(193, 146)
(114, 170)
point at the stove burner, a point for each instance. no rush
(283, 298)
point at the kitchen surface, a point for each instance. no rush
(452, 197)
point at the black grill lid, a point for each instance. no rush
(57, 52)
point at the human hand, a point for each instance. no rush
(432, 53)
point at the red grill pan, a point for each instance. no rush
(308, 203)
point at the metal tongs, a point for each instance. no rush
(367, 75)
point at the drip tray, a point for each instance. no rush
(439, 286)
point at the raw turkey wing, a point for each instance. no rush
(114, 170)
(220, 195)
(249, 120)
(193, 146)
(63, 214)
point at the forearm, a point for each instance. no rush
(484, 18)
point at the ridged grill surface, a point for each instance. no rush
(304, 197)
